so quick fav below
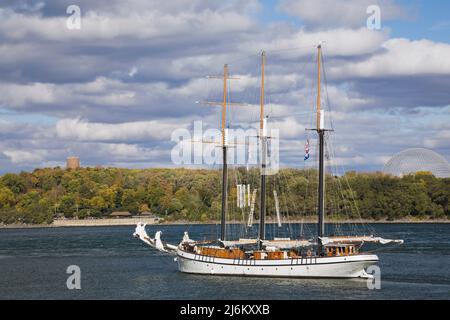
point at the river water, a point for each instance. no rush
(114, 265)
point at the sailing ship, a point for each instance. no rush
(321, 257)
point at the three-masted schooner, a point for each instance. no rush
(325, 256)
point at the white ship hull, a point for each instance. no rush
(352, 266)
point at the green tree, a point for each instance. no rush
(14, 182)
(68, 205)
(130, 201)
(97, 203)
(7, 198)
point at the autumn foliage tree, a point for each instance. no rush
(194, 195)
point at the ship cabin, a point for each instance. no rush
(331, 250)
(240, 252)
(339, 249)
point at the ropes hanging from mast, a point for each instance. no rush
(244, 193)
(277, 207)
(252, 209)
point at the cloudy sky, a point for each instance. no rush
(113, 91)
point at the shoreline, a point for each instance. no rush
(312, 221)
(151, 221)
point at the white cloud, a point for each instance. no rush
(114, 91)
(338, 42)
(289, 128)
(358, 160)
(80, 130)
(129, 152)
(439, 140)
(400, 57)
(25, 157)
(147, 24)
(100, 91)
(338, 13)
(17, 95)
(133, 72)
(347, 99)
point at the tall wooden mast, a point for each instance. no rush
(261, 97)
(224, 155)
(321, 132)
(263, 140)
(319, 56)
(224, 104)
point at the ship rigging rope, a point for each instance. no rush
(330, 151)
(287, 197)
(269, 52)
(353, 207)
(251, 94)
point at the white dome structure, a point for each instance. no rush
(417, 159)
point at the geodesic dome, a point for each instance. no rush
(418, 159)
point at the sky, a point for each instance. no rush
(114, 90)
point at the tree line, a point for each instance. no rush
(40, 196)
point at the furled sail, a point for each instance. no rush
(242, 241)
(358, 239)
(287, 244)
(278, 243)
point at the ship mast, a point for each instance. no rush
(321, 132)
(224, 103)
(224, 155)
(263, 140)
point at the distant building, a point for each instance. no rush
(73, 163)
(415, 160)
(120, 214)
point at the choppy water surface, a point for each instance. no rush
(114, 265)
